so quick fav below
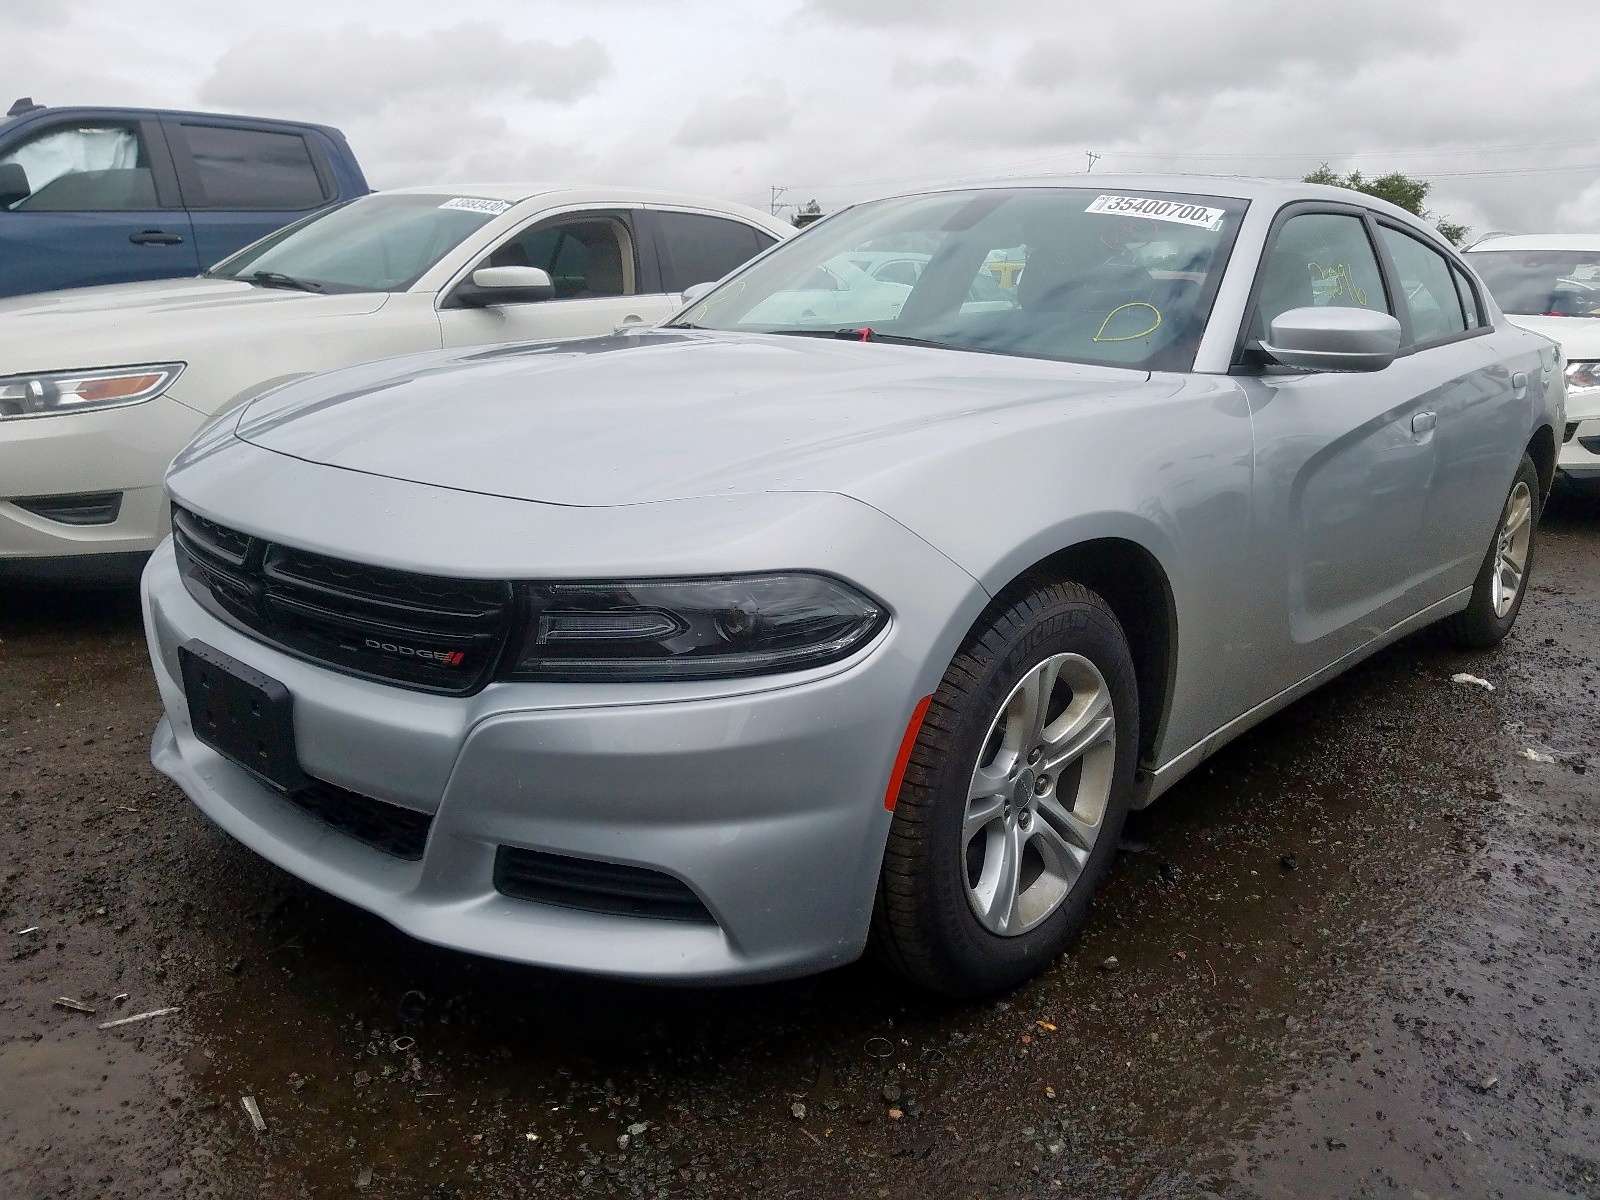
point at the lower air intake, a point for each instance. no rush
(594, 886)
(84, 508)
(402, 832)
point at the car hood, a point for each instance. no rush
(1578, 337)
(666, 415)
(159, 319)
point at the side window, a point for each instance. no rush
(587, 256)
(1319, 259)
(252, 169)
(85, 168)
(1469, 298)
(701, 249)
(820, 279)
(1427, 285)
(899, 270)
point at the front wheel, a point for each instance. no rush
(1013, 799)
(1502, 580)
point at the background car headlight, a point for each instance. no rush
(1583, 377)
(690, 628)
(52, 393)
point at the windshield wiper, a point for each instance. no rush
(895, 339)
(278, 279)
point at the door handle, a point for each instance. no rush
(1424, 422)
(155, 237)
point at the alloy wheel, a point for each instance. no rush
(1511, 549)
(1037, 798)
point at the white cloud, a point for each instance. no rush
(933, 72)
(859, 97)
(355, 71)
(757, 114)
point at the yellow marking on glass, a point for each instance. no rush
(1342, 283)
(1132, 337)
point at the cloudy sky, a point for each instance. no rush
(839, 100)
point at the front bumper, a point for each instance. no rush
(120, 450)
(1576, 459)
(765, 797)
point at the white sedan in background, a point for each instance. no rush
(1550, 283)
(100, 387)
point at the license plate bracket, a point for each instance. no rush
(242, 714)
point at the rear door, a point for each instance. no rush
(242, 181)
(697, 247)
(1345, 462)
(602, 280)
(104, 207)
(1478, 397)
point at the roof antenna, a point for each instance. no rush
(23, 105)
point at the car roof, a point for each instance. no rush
(1232, 187)
(93, 111)
(1538, 241)
(576, 193)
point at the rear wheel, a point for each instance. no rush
(1013, 799)
(1502, 581)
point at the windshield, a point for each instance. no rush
(379, 243)
(1122, 279)
(1545, 283)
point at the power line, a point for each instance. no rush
(1225, 156)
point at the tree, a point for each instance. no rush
(1396, 188)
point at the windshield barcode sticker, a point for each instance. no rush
(472, 204)
(1159, 210)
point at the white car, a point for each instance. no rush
(100, 387)
(1550, 284)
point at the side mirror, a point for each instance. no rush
(695, 291)
(504, 285)
(1333, 339)
(13, 184)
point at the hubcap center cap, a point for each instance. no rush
(1022, 789)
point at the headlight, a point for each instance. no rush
(48, 395)
(654, 629)
(1582, 377)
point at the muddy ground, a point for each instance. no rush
(1358, 955)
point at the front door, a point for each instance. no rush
(103, 208)
(593, 260)
(1344, 469)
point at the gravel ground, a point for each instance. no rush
(1356, 955)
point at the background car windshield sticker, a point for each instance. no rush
(475, 204)
(1150, 317)
(1178, 212)
(1328, 284)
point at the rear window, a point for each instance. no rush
(702, 249)
(1546, 283)
(253, 169)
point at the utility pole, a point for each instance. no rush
(775, 204)
(1093, 158)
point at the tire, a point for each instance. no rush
(948, 916)
(1502, 581)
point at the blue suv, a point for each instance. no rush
(111, 195)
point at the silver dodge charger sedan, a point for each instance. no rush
(732, 648)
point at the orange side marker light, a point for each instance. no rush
(904, 757)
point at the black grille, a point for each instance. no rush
(1591, 444)
(422, 631)
(402, 832)
(85, 508)
(595, 886)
